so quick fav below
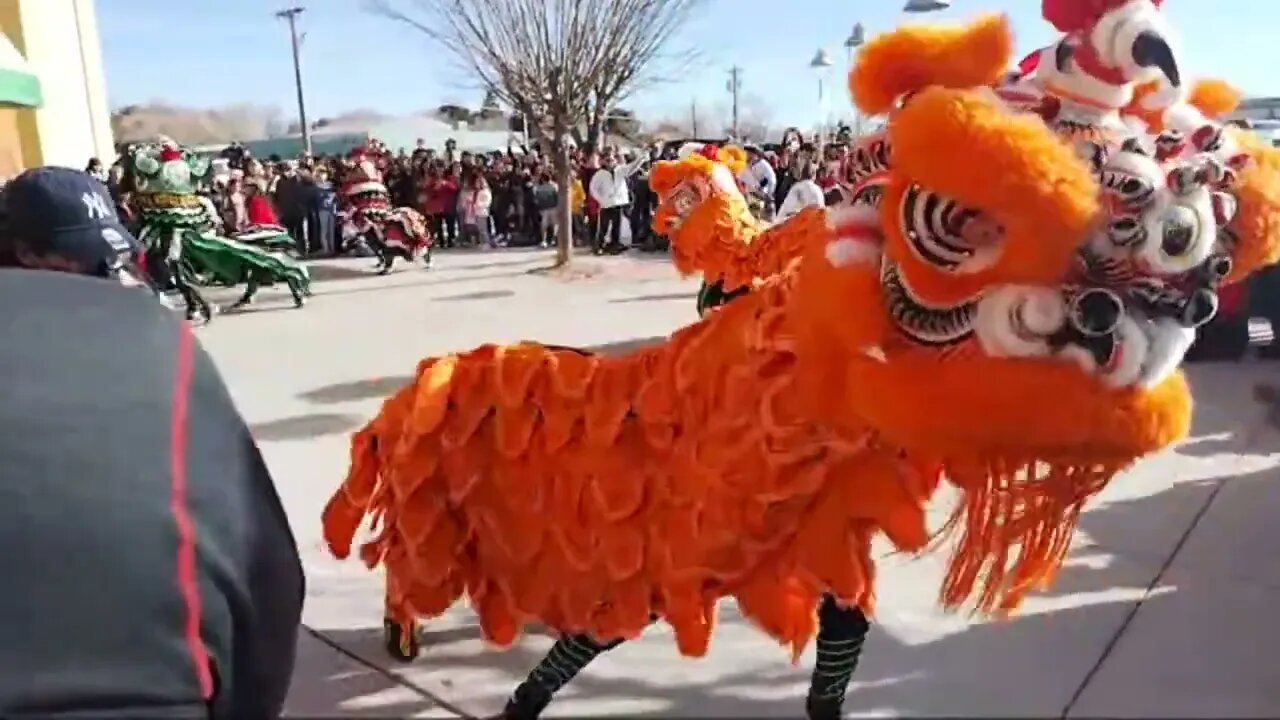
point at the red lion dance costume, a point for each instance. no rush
(757, 453)
(367, 214)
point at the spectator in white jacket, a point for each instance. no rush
(804, 193)
(758, 177)
(609, 188)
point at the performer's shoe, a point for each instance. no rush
(526, 703)
(299, 300)
(199, 316)
(400, 645)
(817, 708)
(239, 304)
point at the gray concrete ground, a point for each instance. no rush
(1165, 609)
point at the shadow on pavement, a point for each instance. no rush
(656, 298)
(356, 390)
(477, 295)
(305, 427)
(330, 684)
(427, 277)
(328, 273)
(359, 390)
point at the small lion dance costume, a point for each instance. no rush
(367, 215)
(756, 453)
(179, 231)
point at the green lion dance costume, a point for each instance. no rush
(179, 232)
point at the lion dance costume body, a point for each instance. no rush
(367, 214)
(756, 453)
(179, 228)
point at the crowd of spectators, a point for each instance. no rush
(469, 199)
(494, 199)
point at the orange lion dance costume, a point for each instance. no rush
(756, 453)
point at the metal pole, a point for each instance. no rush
(693, 115)
(735, 83)
(822, 122)
(292, 16)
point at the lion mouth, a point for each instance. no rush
(926, 324)
(1108, 336)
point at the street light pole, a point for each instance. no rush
(735, 84)
(856, 39)
(820, 63)
(291, 15)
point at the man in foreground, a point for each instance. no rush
(150, 569)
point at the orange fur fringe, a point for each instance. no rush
(589, 492)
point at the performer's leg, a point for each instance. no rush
(196, 304)
(841, 632)
(400, 638)
(295, 289)
(562, 663)
(250, 289)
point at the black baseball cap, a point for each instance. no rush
(65, 212)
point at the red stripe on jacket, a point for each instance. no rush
(188, 580)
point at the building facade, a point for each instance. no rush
(59, 41)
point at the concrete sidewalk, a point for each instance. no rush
(1164, 609)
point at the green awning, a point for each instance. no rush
(18, 84)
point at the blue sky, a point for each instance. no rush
(220, 52)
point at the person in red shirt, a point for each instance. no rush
(439, 201)
(257, 207)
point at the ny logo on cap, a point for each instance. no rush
(96, 205)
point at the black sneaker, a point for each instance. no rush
(824, 708)
(527, 702)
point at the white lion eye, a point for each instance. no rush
(1180, 231)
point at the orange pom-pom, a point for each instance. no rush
(915, 57)
(1214, 98)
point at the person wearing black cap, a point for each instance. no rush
(55, 218)
(151, 571)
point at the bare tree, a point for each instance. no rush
(561, 63)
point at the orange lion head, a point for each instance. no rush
(1034, 296)
(700, 207)
(1013, 302)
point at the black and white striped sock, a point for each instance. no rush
(562, 663)
(841, 633)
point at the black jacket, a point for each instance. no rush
(149, 567)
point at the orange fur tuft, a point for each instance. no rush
(732, 157)
(1214, 98)
(1256, 225)
(915, 57)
